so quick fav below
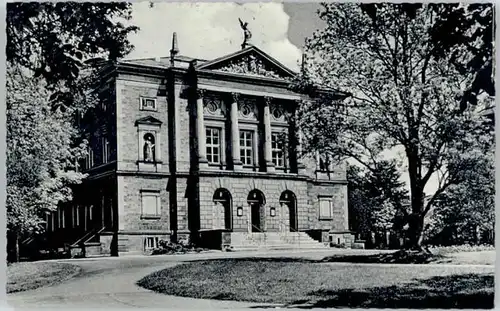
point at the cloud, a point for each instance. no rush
(211, 30)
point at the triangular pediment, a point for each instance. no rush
(250, 61)
(148, 120)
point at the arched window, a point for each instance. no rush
(149, 148)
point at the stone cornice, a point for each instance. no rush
(145, 70)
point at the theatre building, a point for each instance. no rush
(203, 150)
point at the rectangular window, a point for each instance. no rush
(148, 103)
(150, 242)
(53, 220)
(325, 208)
(213, 145)
(105, 150)
(151, 204)
(277, 149)
(61, 217)
(246, 147)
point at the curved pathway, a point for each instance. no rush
(110, 283)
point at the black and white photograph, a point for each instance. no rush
(234, 155)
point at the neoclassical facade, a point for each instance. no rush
(183, 148)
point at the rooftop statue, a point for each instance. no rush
(246, 32)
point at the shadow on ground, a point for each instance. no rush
(470, 291)
(401, 257)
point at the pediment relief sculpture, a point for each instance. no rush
(251, 65)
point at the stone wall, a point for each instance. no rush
(128, 93)
(306, 195)
(130, 190)
(338, 192)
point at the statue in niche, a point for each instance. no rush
(246, 33)
(149, 147)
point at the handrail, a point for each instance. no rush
(93, 235)
(291, 230)
(258, 229)
(28, 240)
(85, 236)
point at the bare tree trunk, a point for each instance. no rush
(17, 247)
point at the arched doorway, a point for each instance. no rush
(256, 201)
(223, 209)
(288, 199)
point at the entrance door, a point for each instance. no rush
(257, 201)
(256, 223)
(289, 201)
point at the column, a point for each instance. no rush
(301, 168)
(267, 136)
(235, 133)
(200, 131)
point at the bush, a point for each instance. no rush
(167, 247)
(461, 248)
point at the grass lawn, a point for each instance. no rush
(30, 275)
(314, 284)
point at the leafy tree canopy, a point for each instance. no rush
(404, 99)
(42, 153)
(56, 40)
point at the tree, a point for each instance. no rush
(403, 103)
(57, 40)
(41, 155)
(469, 40)
(466, 211)
(373, 197)
(53, 53)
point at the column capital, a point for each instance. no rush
(235, 96)
(268, 100)
(200, 93)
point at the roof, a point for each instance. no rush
(164, 62)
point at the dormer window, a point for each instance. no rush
(148, 103)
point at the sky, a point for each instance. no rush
(211, 30)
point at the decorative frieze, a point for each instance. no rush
(213, 106)
(248, 109)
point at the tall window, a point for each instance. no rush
(89, 159)
(213, 145)
(246, 147)
(151, 204)
(277, 143)
(106, 150)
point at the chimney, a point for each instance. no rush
(175, 50)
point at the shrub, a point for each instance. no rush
(167, 247)
(461, 248)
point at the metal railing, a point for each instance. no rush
(291, 230)
(88, 236)
(96, 233)
(259, 230)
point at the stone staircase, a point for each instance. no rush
(241, 241)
